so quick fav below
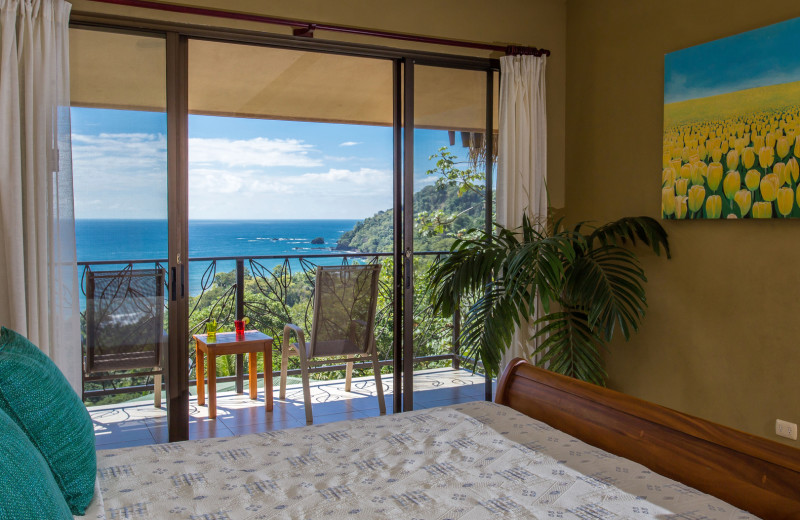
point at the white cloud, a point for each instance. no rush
(251, 152)
(127, 172)
(336, 193)
(125, 176)
(350, 143)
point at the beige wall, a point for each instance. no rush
(721, 336)
(540, 23)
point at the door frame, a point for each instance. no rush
(404, 60)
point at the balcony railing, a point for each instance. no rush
(275, 290)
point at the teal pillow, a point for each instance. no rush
(36, 395)
(27, 488)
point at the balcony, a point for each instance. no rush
(273, 291)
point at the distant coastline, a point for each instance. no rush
(125, 240)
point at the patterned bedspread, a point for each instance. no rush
(468, 461)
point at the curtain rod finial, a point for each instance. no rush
(516, 50)
(307, 31)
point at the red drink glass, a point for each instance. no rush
(239, 325)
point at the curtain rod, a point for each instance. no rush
(307, 29)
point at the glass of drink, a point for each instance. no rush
(211, 331)
(239, 325)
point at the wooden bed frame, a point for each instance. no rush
(749, 472)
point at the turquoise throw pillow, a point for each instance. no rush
(27, 488)
(36, 395)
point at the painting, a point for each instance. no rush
(731, 141)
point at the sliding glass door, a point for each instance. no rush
(235, 167)
(123, 222)
(446, 197)
(291, 168)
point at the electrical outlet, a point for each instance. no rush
(786, 429)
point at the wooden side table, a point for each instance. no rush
(252, 343)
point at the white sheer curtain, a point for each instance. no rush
(38, 271)
(522, 157)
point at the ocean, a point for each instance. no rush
(101, 240)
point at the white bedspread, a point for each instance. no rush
(469, 461)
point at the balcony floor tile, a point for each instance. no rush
(136, 423)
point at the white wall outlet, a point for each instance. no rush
(786, 429)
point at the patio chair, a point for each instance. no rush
(125, 325)
(345, 299)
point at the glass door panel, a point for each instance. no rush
(119, 147)
(449, 157)
(290, 168)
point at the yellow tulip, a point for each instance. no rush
(762, 210)
(748, 157)
(792, 169)
(667, 177)
(782, 147)
(714, 175)
(680, 207)
(758, 142)
(770, 140)
(681, 185)
(779, 169)
(766, 156)
(702, 169)
(724, 147)
(702, 152)
(739, 146)
(751, 180)
(686, 171)
(697, 174)
(685, 154)
(716, 154)
(733, 160)
(668, 201)
(676, 165)
(713, 206)
(797, 146)
(785, 201)
(696, 196)
(769, 187)
(666, 159)
(798, 195)
(743, 199)
(731, 184)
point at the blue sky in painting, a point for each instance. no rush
(238, 168)
(757, 58)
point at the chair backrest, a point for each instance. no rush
(124, 319)
(345, 298)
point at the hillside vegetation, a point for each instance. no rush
(435, 228)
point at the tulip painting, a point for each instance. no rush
(731, 143)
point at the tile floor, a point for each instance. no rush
(138, 423)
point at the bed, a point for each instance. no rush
(549, 447)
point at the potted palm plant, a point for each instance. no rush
(578, 286)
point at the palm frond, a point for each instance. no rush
(489, 326)
(568, 346)
(645, 229)
(467, 269)
(607, 284)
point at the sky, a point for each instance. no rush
(757, 58)
(247, 169)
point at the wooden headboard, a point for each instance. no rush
(752, 473)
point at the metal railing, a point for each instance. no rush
(273, 290)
